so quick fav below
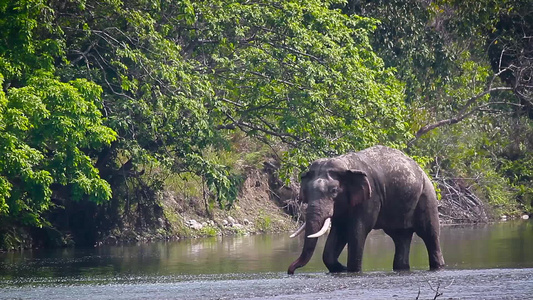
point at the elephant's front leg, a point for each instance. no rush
(356, 244)
(335, 243)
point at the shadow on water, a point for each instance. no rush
(480, 260)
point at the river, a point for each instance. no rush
(493, 261)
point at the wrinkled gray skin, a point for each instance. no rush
(377, 188)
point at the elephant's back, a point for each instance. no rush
(388, 160)
(398, 182)
(376, 153)
(388, 167)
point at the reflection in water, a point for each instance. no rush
(505, 245)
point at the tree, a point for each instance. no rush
(302, 74)
(502, 27)
(174, 79)
(46, 126)
(466, 63)
(440, 51)
(298, 73)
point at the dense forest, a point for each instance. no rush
(106, 104)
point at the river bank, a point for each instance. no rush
(264, 205)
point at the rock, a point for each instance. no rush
(194, 224)
(246, 222)
(238, 226)
(525, 217)
(231, 220)
(225, 222)
(503, 218)
(197, 226)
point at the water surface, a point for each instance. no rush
(484, 261)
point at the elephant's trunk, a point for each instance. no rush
(308, 249)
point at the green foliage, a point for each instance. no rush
(330, 95)
(44, 127)
(446, 53)
(238, 230)
(178, 227)
(209, 231)
(47, 126)
(27, 39)
(302, 74)
(113, 96)
(177, 75)
(187, 185)
(501, 31)
(263, 222)
(409, 39)
(488, 155)
(474, 19)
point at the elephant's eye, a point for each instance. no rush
(334, 190)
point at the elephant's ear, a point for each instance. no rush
(303, 183)
(359, 189)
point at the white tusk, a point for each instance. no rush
(297, 232)
(325, 228)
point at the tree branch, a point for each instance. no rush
(465, 112)
(279, 80)
(248, 127)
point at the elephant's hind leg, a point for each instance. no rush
(431, 239)
(427, 227)
(334, 245)
(402, 242)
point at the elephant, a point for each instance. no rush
(376, 188)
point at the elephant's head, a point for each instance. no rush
(330, 189)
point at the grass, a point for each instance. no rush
(263, 222)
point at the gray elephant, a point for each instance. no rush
(376, 188)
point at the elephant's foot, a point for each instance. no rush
(404, 268)
(401, 265)
(435, 266)
(354, 268)
(436, 261)
(337, 268)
